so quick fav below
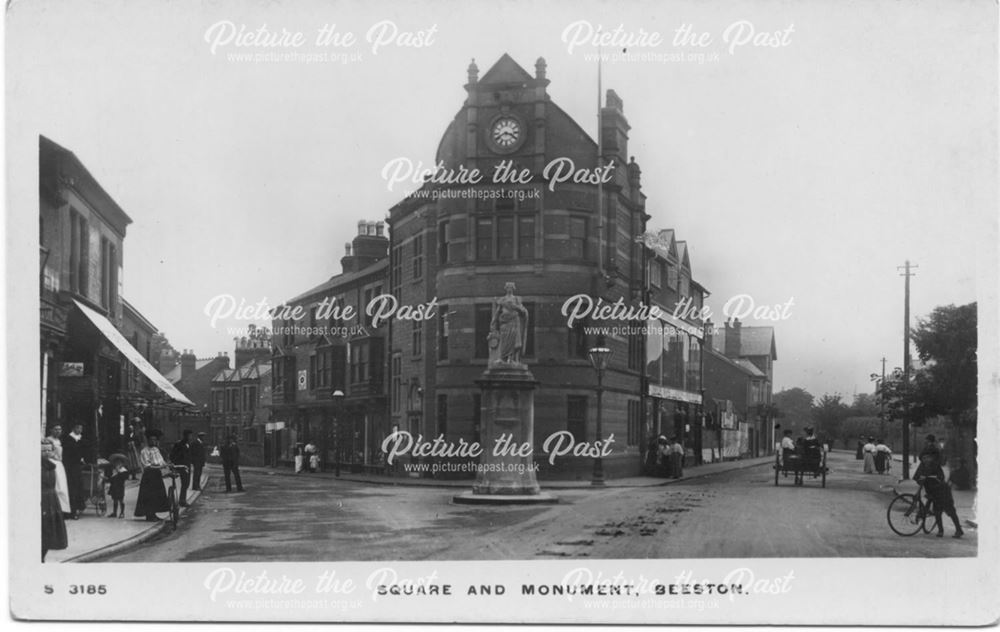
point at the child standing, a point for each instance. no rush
(119, 474)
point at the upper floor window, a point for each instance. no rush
(359, 362)
(442, 332)
(396, 368)
(577, 238)
(442, 242)
(505, 237)
(396, 272)
(418, 337)
(655, 271)
(418, 256)
(79, 253)
(672, 276)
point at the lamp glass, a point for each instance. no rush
(599, 357)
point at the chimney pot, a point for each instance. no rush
(361, 227)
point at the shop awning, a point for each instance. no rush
(133, 355)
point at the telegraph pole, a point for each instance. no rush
(906, 365)
(881, 401)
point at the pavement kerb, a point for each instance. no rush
(695, 472)
(139, 538)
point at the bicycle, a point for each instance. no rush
(909, 513)
(175, 507)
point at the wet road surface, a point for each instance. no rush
(734, 514)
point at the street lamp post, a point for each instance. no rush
(599, 358)
(338, 398)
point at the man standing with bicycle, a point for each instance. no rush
(930, 475)
(231, 464)
(181, 456)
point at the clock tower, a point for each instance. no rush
(503, 118)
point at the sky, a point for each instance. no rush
(802, 171)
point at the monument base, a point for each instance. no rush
(472, 498)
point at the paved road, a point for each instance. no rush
(734, 514)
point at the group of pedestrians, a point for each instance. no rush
(876, 456)
(306, 458)
(669, 457)
(62, 476)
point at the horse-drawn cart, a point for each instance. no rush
(799, 465)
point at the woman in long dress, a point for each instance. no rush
(152, 494)
(882, 456)
(53, 524)
(55, 455)
(869, 450)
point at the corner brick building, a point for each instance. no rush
(459, 244)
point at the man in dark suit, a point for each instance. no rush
(73, 463)
(181, 455)
(231, 464)
(197, 460)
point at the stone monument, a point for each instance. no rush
(507, 474)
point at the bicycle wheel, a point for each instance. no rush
(930, 522)
(904, 515)
(175, 509)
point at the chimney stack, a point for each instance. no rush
(188, 363)
(369, 246)
(732, 349)
(709, 332)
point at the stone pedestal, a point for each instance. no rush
(508, 414)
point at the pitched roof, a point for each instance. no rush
(224, 375)
(743, 365)
(750, 367)
(682, 254)
(758, 341)
(174, 374)
(506, 70)
(341, 280)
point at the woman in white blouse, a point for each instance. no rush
(152, 493)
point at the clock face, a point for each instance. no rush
(506, 132)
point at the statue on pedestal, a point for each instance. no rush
(507, 477)
(508, 329)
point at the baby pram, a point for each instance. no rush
(94, 480)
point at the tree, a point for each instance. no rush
(946, 343)
(793, 407)
(829, 412)
(864, 405)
